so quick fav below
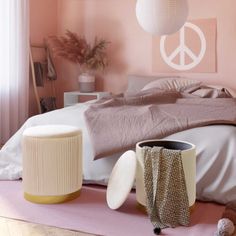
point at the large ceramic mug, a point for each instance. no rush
(188, 153)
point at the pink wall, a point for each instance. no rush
(43, 23)
(116, 22)
(70, 16)
(130, 51)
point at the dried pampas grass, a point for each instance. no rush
(76, 49)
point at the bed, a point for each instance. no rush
(215, 147)
(216, 172)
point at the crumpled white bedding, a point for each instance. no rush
(215, 146)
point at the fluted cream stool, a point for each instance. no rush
(52, 163)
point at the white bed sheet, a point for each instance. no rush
(216, 154)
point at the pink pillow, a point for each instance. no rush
(227, 89)
(175, 84)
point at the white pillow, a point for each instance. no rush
(171, 84)
(137, 82)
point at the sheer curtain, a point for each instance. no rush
(14, 65)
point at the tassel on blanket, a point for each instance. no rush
(226, 225)
(166, 194)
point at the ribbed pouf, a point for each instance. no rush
(52, 163)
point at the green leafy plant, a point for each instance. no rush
(77, 50)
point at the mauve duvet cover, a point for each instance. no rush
(152, 114)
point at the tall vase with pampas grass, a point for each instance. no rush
(90, 58)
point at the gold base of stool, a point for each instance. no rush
(51, 199)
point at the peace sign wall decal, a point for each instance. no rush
(192, 49)
(184, 50)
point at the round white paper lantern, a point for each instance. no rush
(161, 17)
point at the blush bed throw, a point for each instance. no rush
(116, 124)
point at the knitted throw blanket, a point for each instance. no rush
(166, 194)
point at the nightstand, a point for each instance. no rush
(71, 98)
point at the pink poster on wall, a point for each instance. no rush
(191, 49)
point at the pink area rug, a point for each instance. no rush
(89, 213)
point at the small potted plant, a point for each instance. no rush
(90, 58)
